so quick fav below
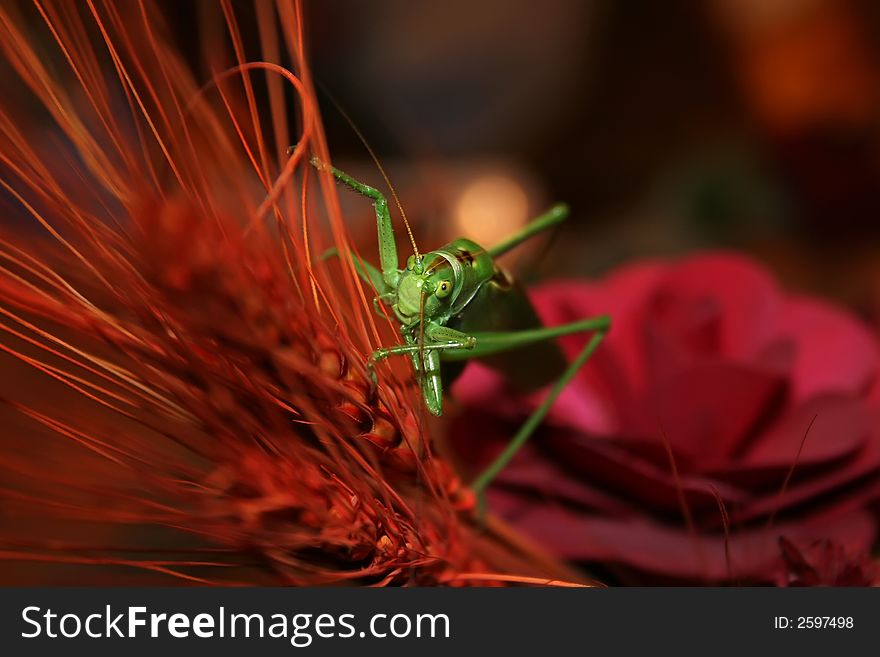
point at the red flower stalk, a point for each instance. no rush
(720, 414)
(183, 384)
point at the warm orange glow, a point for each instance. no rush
(491, 207)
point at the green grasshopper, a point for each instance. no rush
(456, 304)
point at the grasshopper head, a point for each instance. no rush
(427, 288)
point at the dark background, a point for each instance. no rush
(668, 126)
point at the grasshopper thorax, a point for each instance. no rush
(442, 282)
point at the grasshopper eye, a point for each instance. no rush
(411, 263)
(443, 289)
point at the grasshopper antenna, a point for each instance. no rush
(378, 164)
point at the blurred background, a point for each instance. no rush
(667, 126)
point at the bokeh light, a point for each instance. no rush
(490, 207)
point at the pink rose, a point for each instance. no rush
(691, 417)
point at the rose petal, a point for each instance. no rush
(533, 474)
(863, 466)
(707, 411)
(746, 294)
(616, 468)
(834, 351)
(622, 296)
(671, 551)
(823, 429)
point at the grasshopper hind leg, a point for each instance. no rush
(598, 326)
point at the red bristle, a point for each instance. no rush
(182, 373)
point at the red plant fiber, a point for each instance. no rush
(183, 389)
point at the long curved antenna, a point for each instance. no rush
(379, 166)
